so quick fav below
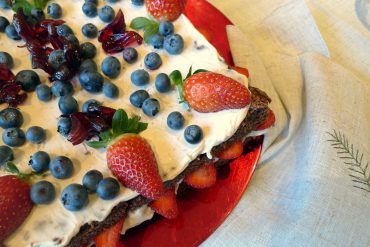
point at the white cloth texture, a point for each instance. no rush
(312, 186)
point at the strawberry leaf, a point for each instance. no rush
(10, 167)
(200, 70)
(106, 136)
(97, 144)
(149, 31)
(189, 73)
(176, 78)
(120, 122)
(26, 6)
(41, 4)
(140, 23)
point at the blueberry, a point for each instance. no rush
(60, 89)
(137, 2)
(166, 28)
(64, 126)
(4, 4)
(88, 65)
(89, 9)
(130, 55)
(43, 93)
(42, 192)
(88, 50)
(68, 104)
(54, 10)
(110, 90)
(140, 77)
(35, 134)
(56, 59)
(107, 189)
(111, 67)
(162, 83)
(38, 14)
(40, 161)
(193, 134)
(73, 39)
(12, 33)
(92, 1)
(91, 81)
(137, 98)
(156, 40)
(152, 61)
(112, 1)
(14, 137)
(64, 30)
(90, 30)
(175, 120)
(173, 44)
(6, 154)
(74, 197)
(90, 102)
(91, 180)
(10, 118)
(106, 13)
(3, 23)
(61, 167)
(6, 59)
(151, 107)
(28, 79)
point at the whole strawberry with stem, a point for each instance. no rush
(15, 201)
(130, 157)
(165, 10)
(206, 91)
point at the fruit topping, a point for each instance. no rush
(68, 104)
(140, 77)
(91, 102)
(14, 137)
(137, 98)
(12, 33)
(37, 14)
(115, 38)
(151, 107)
(137, 2)
(10, 117)
(40, 161)
(89, 9)
(270, 121)
(166, 204)
(165, 10)
(60, 89)
(74, 197)
(6, 154)
(108, 188)
(175, 120)
(35, 134)
(88, 65)
(91, 81)
(42, 192)
(110, 90)
(10, 90)
(91, 180)
(28, 79)
(204, 177)
(232, 152)
(54, 10)
(6, 59)
(212, 92)
(166, 28)
(88, 50)
(149, 26)
(162, 83)
(156, 40)
(56, 59)
(61, 167)
(106, 13)
(64, 126)
(193, 134)
(174, 44)
(241, 70)
(130, 55)
(3, 23)
(152, 61)
(90, 30)
(44, 93)
(110, 236)
(111, 67)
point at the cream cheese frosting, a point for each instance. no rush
(53, 225)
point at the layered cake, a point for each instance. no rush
(118, 145)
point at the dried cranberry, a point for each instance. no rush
(10, 91)
(118, 42)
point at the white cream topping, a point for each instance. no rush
(52, 225)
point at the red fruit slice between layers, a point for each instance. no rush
(110, 237)
(204, 177)
(233, 152)
(166, 205)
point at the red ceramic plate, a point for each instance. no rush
(202, 211)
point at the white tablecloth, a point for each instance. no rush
(312, 187)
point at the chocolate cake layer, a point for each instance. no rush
(257, 114)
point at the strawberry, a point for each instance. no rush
(110, 237)
(165, 10)
(268, 122)
(233, 152)
(130, 157)
(15, 201)
(212, 92)
(166, 205)
(204, 177)
(241, 70)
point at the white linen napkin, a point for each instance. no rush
(312, 186)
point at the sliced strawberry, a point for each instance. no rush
(166, 205)
(15, 204)
(270, 121)
(165, 10)
(204, 177)
(233, 152)
(110, 237)
(206, 34)
(212, 92)
(241, 70)
(132, 161)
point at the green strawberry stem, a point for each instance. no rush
(11, 168)
(149, 26)
(121, 124)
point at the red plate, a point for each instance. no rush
(202, 211)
